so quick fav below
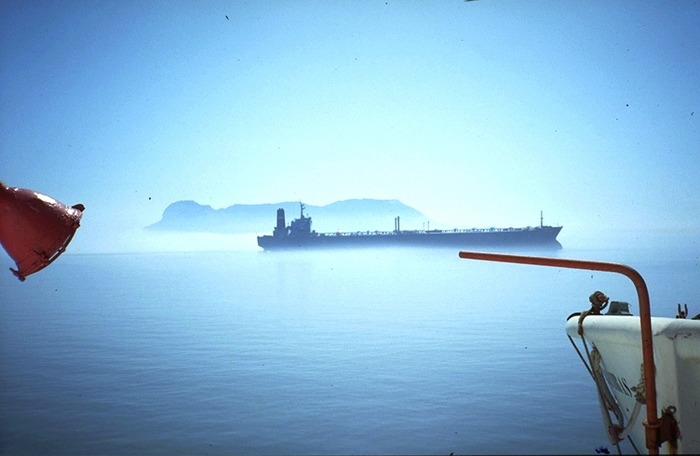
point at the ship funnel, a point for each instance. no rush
(281, 228)
(280, 219)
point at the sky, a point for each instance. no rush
(477, 114)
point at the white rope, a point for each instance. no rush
(607, 402)
(606, 399)
(640, 399)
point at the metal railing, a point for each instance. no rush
(652, 424)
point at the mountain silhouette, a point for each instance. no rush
(347, 215)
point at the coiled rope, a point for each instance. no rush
(593, 363)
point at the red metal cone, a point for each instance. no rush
(34, 228)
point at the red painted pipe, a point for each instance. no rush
(34, 228)
(652, 423)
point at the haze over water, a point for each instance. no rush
(386, 351)
(476, 114)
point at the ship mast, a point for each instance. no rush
(541, 220)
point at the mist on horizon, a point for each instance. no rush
(476, 114)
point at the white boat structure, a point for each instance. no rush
(646, 369)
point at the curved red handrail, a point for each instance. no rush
(652, 423)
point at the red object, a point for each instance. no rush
(34, 228)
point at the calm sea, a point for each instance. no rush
(397, 351)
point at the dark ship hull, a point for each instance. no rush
(299, 236)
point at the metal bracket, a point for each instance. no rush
(669, 430)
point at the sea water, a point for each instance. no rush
(371, 351)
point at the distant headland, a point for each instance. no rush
(347, 215)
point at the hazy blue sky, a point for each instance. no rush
(475, 113)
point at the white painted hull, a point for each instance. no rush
(677, 357)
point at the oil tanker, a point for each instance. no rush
(299, 235)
